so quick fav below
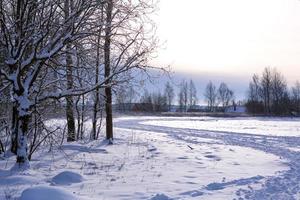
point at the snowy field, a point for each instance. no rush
(161, 158)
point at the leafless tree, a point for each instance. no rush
(159, 102)
(34, 33)
(183, 96)
(225, 95)
(125, 96)
(254, 89)
(68, 9)
(169, 94)
(42, 38)
(269, 94)
(266, 84)
(279, 98)
(128, 43)
(296, 96)
(254, 103)
(192, 94)
(211, 96)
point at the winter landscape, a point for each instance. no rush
(167, 158)
(149, 100)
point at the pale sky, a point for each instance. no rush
(230, 37)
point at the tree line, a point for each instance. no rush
(269, 94)
(186, 98)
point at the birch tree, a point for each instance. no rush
(225, 95)
(192, 94)
(169, 93)
(211, 96)
(183, 96)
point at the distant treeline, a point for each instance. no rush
(269, 94)
(218, 99)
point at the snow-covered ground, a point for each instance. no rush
(160, 158)
(261, 126)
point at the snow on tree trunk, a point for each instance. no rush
(23, 117)
(69, 69)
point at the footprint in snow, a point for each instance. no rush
(183, 158)
(216, 158)
(193, 193)
(239, 182)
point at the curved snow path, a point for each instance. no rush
(285, 186)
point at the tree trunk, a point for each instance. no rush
(14, 129)
(69, 62)
(70, 103)
(97, 92)
(22, 156)
(107, 68)
(82, 117)
(23, 117)
(78, 117)
(70, 120)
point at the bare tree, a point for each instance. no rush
(41, 38)
(254, 103)
(98, 45)
(68, 8)
(125, 96)
(254, 89)
(269, 93)
(296, 96)
(169, 93)
(225, 95)
(192, 94)
(279, 93)
(266, 84)
(107, 69)
(211, 96)
(146, 102)
(183, 96)
(33, 34)
(128, 43)
(159, 102)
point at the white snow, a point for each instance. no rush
(261, 126)
(46, 193)
(162, 158)
(66, 178)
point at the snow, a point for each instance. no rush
(67, 178)
(261, 126)
(162, 158)
(160, 197)
(46, 193)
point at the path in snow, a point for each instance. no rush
(157, 162)
(285, 186)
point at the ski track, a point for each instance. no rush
(284, 186)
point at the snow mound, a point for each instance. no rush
(66, 178)
(160, 197)
(46, 193)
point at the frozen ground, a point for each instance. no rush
(159, 158)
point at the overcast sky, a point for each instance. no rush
(235, 38)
